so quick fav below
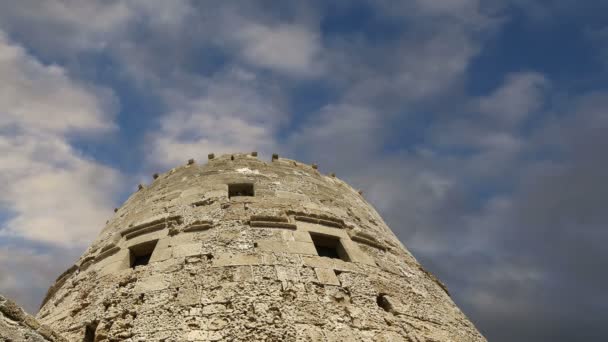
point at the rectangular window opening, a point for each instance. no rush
(89, 332)
(240, 189)
(139, 255)
(329, 246)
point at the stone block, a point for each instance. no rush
(327, 276)
(102, 257)
(152, 283)
(346, 266)
(113, 268)
(301, 247)
(162, 250)
(271, 246)
(120, 256)
(217, 194)
(264, 273)
(182, 239)
(321, 229)
(161, 254)
(218, 186)
(317, 261)
(187, 250)
(31, 322)
(302, 236)
(213, 309)
(188, 296)
(192, 192)
(215, 336)
(312, 205)
(295, 247)
(149, 220)
(168, 265)
(116, 262)
(287, 235)
(154, 235)
(307, 312)
(243, 274)
(217, 324)
(292, 196)
(337, 211)
(287, 273)
(12, 311)
(270, 224)
(237, 260)
(356, 254)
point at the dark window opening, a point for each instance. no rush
(383, 302)
(140, 254)
(329, 252)
(141, 260)
(329, 246)
(242, 189)
(89, 332)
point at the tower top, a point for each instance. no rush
(238, 248)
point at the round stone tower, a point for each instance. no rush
(240, 249)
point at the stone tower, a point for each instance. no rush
(240, 249)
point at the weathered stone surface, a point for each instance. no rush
(16, 325)
(304, 259)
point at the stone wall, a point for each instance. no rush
(17, 326)
(305, 258)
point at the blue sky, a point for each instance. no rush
(477, 129)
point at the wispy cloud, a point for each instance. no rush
(235, 111)
(52, 193)
(289, 48)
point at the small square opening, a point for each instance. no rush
(240, 189)
(329, 246)
(139, 255)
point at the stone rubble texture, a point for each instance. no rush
(17, 325)
(244, 268)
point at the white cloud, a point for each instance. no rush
(66, 26)
(409, 190)
(52, 193)
(36, 97)
(163, 14)
(55, 195)
(236, 112)
(520, 95)
(417, 67)
(108, 26)
(289, 48)
(343, 130)
(488, 127)
(430, 66)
